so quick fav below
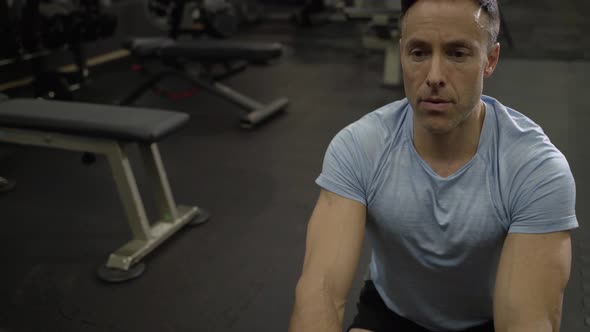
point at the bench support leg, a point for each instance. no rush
(134, 95)
(145, 237)
(123, 264)
(256, 112)
(152, 161)
(392, 76)
(129, 192)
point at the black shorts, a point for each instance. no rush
(374, 315)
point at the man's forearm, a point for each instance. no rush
(536, 326)
(527, 319)
(315, 310)
(312, 320)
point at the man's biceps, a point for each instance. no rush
(334, 230)
(536, 260)
(337, 218)
(335, 203)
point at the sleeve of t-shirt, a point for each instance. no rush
(544, 196)
(345, 167)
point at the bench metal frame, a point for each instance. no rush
(256, 112)
(392, 72)
(146, 236)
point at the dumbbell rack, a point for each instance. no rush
(41, 28)
(50, 84)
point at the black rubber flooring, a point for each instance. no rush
(237, 272)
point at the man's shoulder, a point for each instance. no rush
(516, 133)
(512, 122)
(522, 143)
(384, 121)
(375, 132)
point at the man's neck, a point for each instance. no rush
(457, 146)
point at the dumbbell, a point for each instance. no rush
(94, 25)
(56, 31)
(220, 18)
(91, 26)
(56, 23)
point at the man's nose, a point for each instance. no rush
(435, 78)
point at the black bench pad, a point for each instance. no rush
(205, 50)
(91, 120)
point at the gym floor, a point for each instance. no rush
(238, 271)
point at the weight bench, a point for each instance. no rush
(179, 55)
(111, 131)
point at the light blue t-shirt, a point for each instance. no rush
(435, 241)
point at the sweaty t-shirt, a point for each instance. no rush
(436, 241)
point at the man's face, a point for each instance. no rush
(445, 55)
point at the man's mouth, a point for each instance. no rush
(436, 100)
(435, 104)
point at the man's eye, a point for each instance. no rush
(417, 53)
(458, 54)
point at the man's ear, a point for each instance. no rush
(492, 60)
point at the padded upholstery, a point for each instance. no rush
(91, 120)
(147, 46)
(204, 50)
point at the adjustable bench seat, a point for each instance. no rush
(109, 130)
(177, 54)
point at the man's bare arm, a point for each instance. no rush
(333, 247)
(532, 275)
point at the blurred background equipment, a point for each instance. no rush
(32, 31)
(218, 18)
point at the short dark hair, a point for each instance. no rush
(489, 6)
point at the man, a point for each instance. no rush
(466, 203)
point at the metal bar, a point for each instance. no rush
(24, 57)
(392, 66)
(79, 55)
(237, 97)
(154, 166)
(131, 97)
(129, 193)
(261, 114)
(231, 70)
(225, 92)
(135, 250)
